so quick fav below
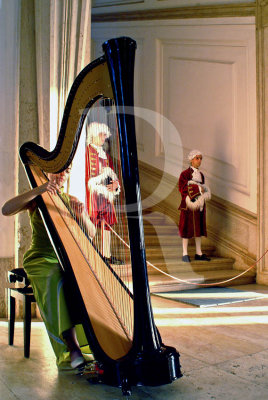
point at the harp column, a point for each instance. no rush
(120, 55)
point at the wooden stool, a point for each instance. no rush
(26, 295)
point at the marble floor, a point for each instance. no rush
(224, 356)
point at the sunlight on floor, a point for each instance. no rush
(228, 295)
(210, 310)
(213, 321)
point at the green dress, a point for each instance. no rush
(46, 276)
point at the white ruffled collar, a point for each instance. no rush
(100, 151)
(196, 175)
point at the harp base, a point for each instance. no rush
(157, 369)
(146, 369)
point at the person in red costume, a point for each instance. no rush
(102, 184)
(194, 194)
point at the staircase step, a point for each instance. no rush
(190, 280)
(161, 230)
(178, 266)
(164, 251)
(154, 253)
(154, 240)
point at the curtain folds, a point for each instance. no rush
(62, 50)
(54, 46)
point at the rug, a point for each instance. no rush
(211, 296)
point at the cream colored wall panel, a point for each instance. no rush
(206, 91)
(200, 75)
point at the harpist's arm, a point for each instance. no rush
(22, 202)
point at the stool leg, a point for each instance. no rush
(27, 326)
(11, 318)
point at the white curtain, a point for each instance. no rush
(62, 50)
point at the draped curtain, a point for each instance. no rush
(62, 51)
(55, 45)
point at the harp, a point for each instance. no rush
(114, 300)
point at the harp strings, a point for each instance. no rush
(120, 303)
(109, 213)
(115, 291)
(119, 232)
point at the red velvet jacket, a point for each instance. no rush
(93, 206)
(185, 177)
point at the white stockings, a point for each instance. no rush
(197, 246)
(185, 246)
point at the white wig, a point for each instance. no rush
(95, 128)
(193, 154)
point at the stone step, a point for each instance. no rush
(177, 268)
(163, 237)
(175, 244)
(160, 229)
(196, 266)
(169, 253)
(191, 280)
(165, 255)
(155, 215)
(164, 251)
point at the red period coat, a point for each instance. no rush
(192, 222)
(97, 205)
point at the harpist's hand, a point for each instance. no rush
(52, 187)
(76, 205)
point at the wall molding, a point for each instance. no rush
(233, 209)
(207, 11)
(227, 242)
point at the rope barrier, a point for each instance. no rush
(189, 282)
(208, 284)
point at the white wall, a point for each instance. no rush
(9, 53)
(200, 75)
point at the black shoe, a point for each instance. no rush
(203, 257)
(186, 258)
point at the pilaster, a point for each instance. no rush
(28, 115)
(262, 95)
